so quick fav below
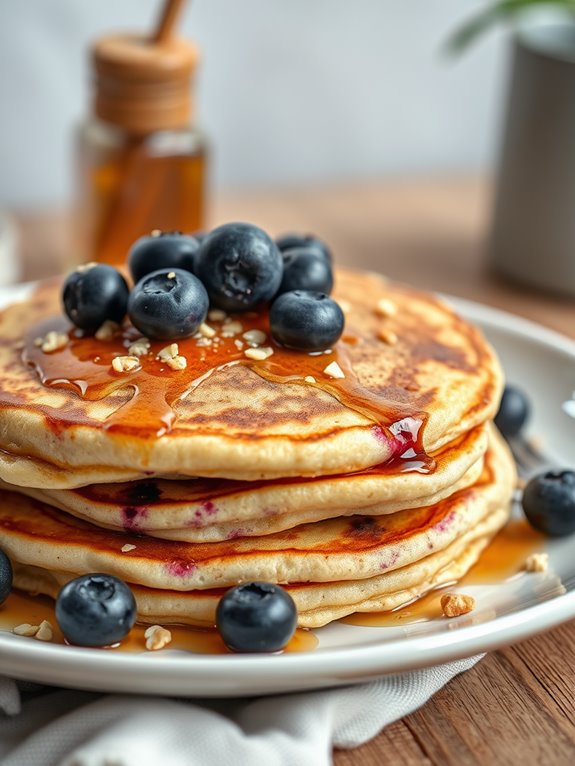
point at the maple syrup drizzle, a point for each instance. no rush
(20, 608)
(501, 560)
(147, 397)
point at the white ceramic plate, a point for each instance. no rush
(543, 363)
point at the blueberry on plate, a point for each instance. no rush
(162, 250)
(307, 321)
(240, 265)
(256, 617)
(5, 577)
(168, 304)
(549, 502)
(95, 610)
(306, 269)
(513, 412)
(309, 241)
(93, 294)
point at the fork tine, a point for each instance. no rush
(528, 459)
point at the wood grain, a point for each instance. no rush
(516, 705)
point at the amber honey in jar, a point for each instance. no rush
(140, 160)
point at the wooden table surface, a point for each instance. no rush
(516, 706)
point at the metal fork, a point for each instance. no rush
(528, 458)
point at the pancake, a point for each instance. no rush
(211, 510)
(68, 421)
(317, 604)
(348, 548)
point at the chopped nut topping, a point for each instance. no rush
(125, 363)
(203, 342)
(255, 337)
(26, 629)
(177, 363)
(387, 336)
(259, 354)
(386, 308)
(156, 233)
(231, 328)
(53, 341)
(239, 344)
(334, 370)
(128, 547)
(86, 267)
(456, 604)
(537, 562)
(107, 330)
(206, 331)
(172, 275)
(169, 352)
(140, 347)
(310, 379)
(45, 631)
(344, 306)
(157, 637)
(216, 315)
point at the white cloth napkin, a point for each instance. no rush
(60, 727)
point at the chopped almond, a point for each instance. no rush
(456, 604)
(387, 336)
(537, 562)
(157, 637)
(25, 629)
(45, 631)
(126, 363)
(386, 308)
(334, 370)
(107, 330)
(53, 341)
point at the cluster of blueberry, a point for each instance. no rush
(236, 267)
(548, 498)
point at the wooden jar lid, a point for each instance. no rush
(143, 86)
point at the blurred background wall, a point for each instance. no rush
(290, 91)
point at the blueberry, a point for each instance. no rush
(309, 241)
(256, 617)
(513, 412)
(306, 269)
(240, 266)
(95, 610)
(168, 304)
(94, 294)
(5, 577)
(162, 250)
(549, 502)
(304, 320)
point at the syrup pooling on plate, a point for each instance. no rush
(21, 608)
(503, 559)
(147, 396)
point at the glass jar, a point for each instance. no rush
(140, 162)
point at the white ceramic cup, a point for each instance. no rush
(533, 233)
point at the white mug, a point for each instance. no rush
(533, 233)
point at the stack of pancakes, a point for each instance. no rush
(358, 478)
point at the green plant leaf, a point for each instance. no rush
(503, 11)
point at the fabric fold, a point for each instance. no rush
(43, 727)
